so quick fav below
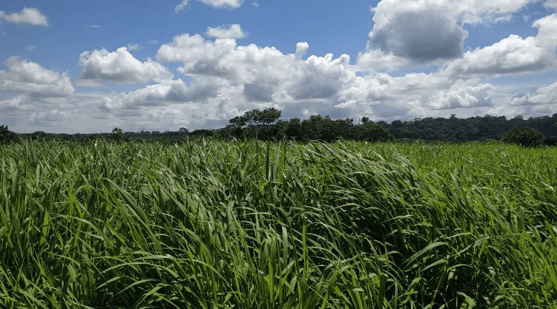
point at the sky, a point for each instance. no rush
(90, 66)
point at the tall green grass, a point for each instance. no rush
(210, 224)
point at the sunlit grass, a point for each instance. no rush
(211, 224)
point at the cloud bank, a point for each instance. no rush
(414, 65)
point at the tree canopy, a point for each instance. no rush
(257, 117)
(7, 136)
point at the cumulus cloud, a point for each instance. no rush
(264, 71)
(224, 79)
(48, 118)
(30, 16)
(120, 67)
(181, 6)
(420, 37)
(11, 104)
(420, 32)
(301, 50)
(541, 95)
(374, 59)
(320, 77)
(413, 95)
(513, 54)
(461, 95)
(185, 48)
(165, 92)
(510, 55)
(232, 32)
(208, 101)
(325, 85)
(551, 4)
(28, 77)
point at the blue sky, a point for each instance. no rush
(90, 66)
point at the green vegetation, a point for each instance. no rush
(7, 136)
(213, 224)
(523, 136)
(266, 126)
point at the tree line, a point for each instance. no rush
(266, 125)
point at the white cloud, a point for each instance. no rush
(232, 32)
(30, 78)
(193, 48)
(30, 16)
(182, 5)
(462, 95)
(513, 54)
(301, 50)
(48, 118)
(421, 32)
(510, 55)
(322, 85)
(223, 3)
(166, 92)
(419, 36)
(233, 4)
(551, 4)
(222, 79)
(541, 95)
(466, 12)
(14, 103)
(120, 67)
(92, 26)
(377, 59)
(265, 72)
(132, 47)
(255, 4)
(173, 103)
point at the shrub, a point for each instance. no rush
(524, 136)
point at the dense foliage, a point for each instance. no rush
(213, 224)
(523, 136)
(470, 129)
(7, 136)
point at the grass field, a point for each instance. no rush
(210, 224)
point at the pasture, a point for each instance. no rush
(249, 224)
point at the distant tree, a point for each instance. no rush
(374, 132)
(202, 133)
(397, 124)
(7, 136)
(39, 134)
(293, 128)
(524, 136)
(268, 116)
(257, 117)
(117, 134)
(183, 131)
